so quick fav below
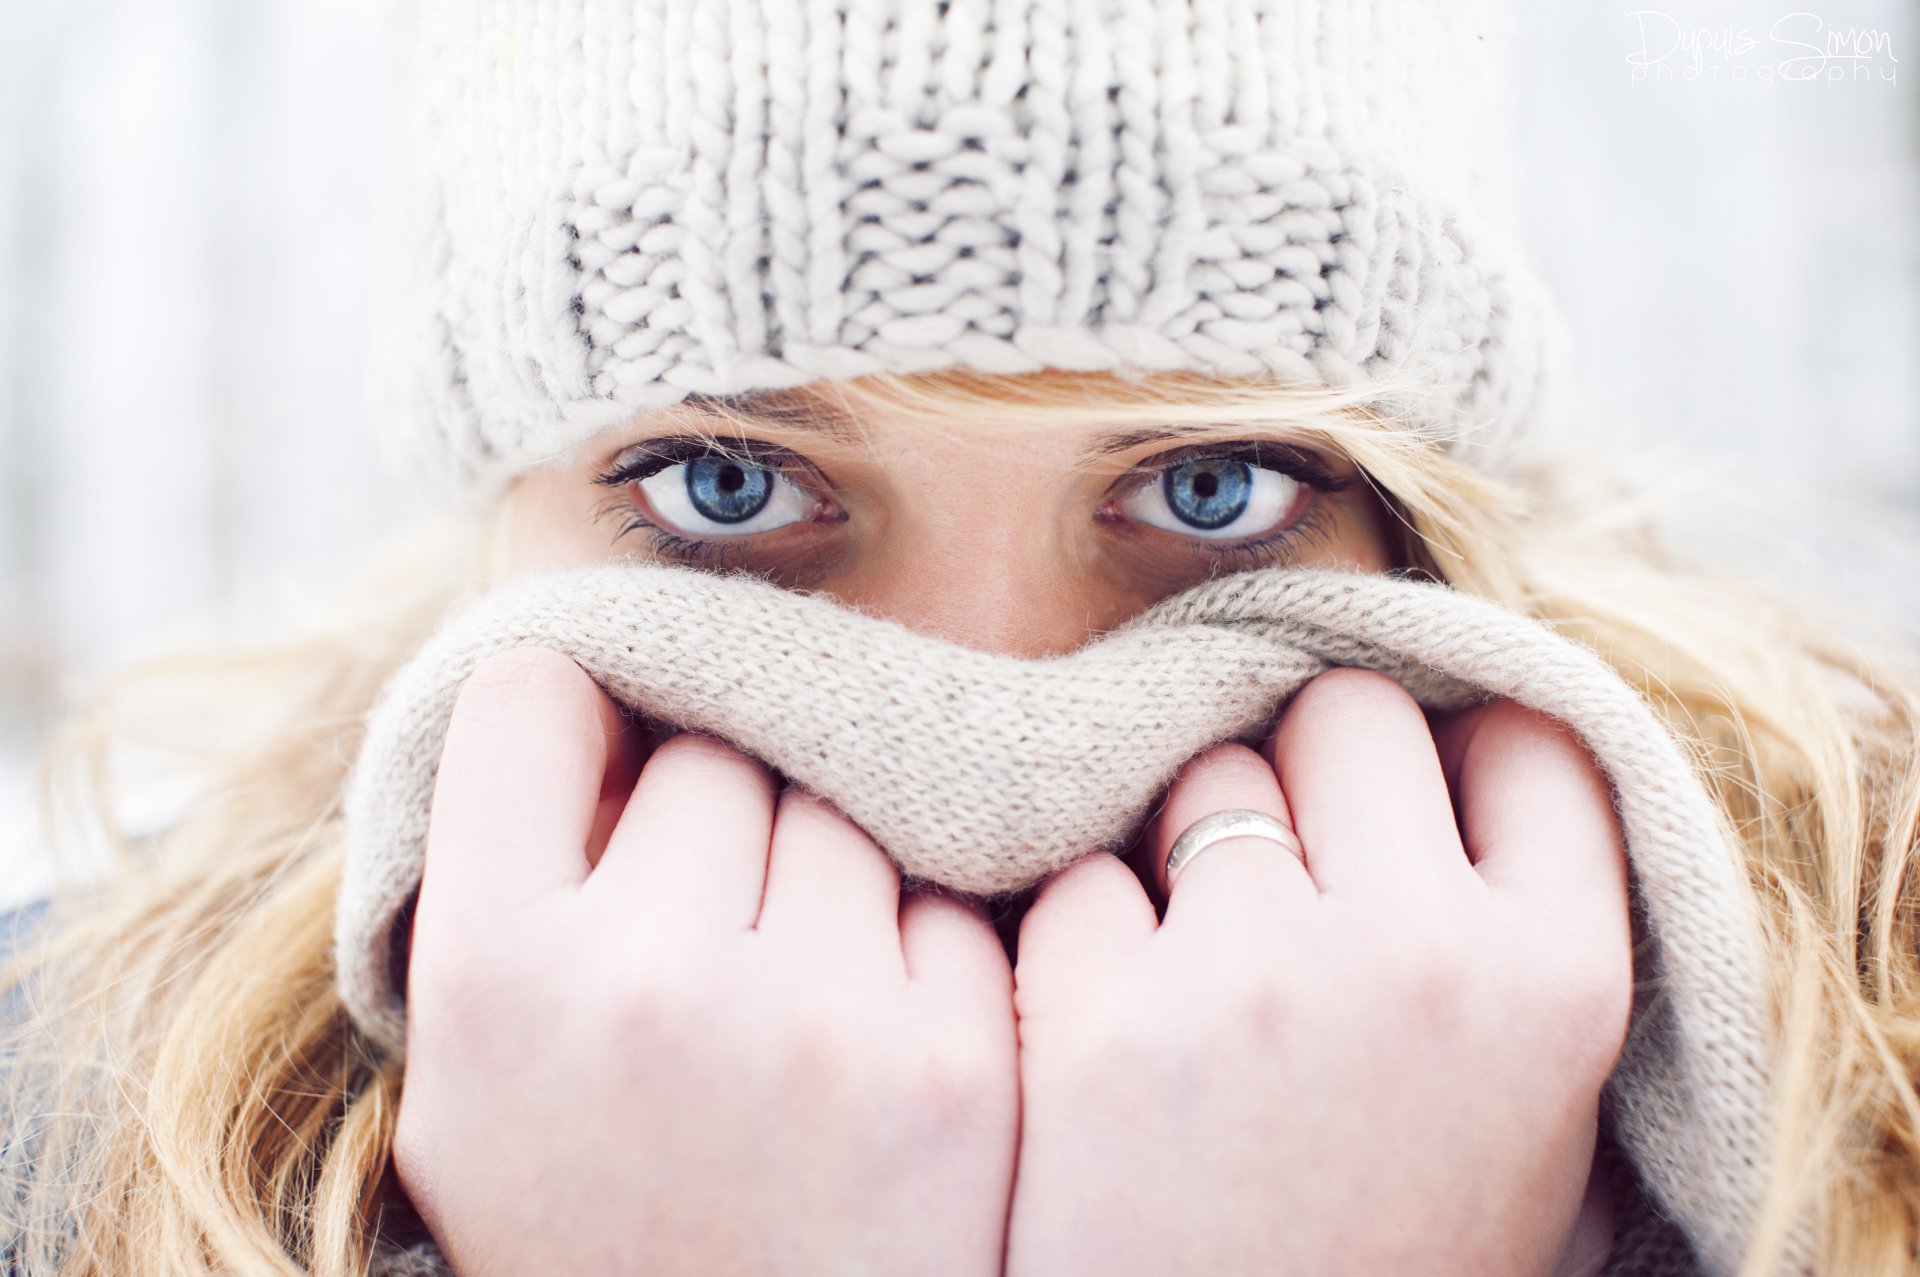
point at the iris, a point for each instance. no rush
(1210, 492)
(726, 490)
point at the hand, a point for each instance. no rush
(1385, 1061)
(627, 1062)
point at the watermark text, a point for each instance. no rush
(1795, 48)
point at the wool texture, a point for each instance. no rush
(984, 773)
(627, 203)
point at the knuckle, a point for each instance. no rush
(1430, 970)
(1417, 940)
(1257, 1006)
(653, 1003)
(822, 1048)
(1118, 1047)
(461, 991)
(959, 1079)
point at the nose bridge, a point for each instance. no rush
(1021, 600)
(1011, 621)
(985, 545)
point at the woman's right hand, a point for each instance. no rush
(628, 1061)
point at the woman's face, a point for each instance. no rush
(1028, 544)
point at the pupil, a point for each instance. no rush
(1209, 494)
(728, 491)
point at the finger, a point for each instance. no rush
(1536, 810)
(1089, 915)
(519, 784)
(950, 946)
(1357, 763)
(690, 850)
(1243, 879)
(829, 886)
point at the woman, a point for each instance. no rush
(1006, 326)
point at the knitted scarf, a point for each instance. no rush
(985, 773)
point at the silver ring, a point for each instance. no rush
(1222, 825)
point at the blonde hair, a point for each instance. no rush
(187, 1093)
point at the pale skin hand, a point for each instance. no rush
(627, 1062)
(828, 1079)
(1391, 1065)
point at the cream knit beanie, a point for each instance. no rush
(634, 200)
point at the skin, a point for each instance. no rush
(1385, 1059)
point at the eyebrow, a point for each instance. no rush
(1129, 439)
(776, 411)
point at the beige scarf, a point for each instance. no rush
(985, 773)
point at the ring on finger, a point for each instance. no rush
(1222, 825)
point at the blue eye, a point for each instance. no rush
(726, 490)
(1216, 499)
(721, 495)
(1210, 493)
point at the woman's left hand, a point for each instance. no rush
(1385, 1060)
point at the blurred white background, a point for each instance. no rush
(195, 199)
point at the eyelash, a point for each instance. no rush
(657, 454)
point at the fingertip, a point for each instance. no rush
(698, 756)
(1094, 910)
(816, 819)
(1342, 693)
(691, 843)
(529, 701)
(826, 877)
(1536, 807)
(1455, 734)
(505, 685)
(1355, 754)
(946, 939)
(516, 792)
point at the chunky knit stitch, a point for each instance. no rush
(985, 772)
(629, 202)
